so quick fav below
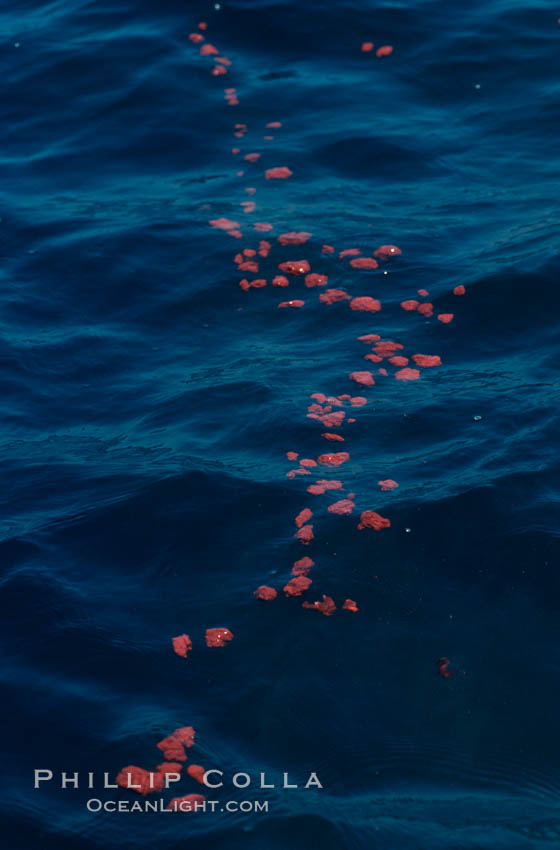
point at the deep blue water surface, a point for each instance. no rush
(147, 405)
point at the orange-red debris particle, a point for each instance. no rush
(302, 567)
(280, 280)
(366, 304)
(326, 607)
(349, 252)
(266, 593)
(305, 534)
(142, 781)
(385, 252)
(316, 280)
(367, 46)
(203, 25)
(295, 267)
(369, 338)
(331, 296)
(208, 50)
(280, 173)
(364, 263)
(343, 507)
(297, 586)
(218, 70)
(196, 37)
(358, 401)
(196, 772)
(386, 50)
(398, 360)
(263, 226)
(294, 238)
(224, 224)
(334, 438)
(295, 303)
(308, 461)
(388, 484)
(364, 378)
(370, 519)
(303, 517)
(274, 125)
(189, 803)
(407, 374)
(443, 668)
(350, 605)
(333, 459)
(182, 645)
(426, 360)
(322, 486)
(292, 455)
(411, 304)
(327, 249)
(252, 157)
(426, 309)
(459, 290)
(248, 266)
(387, 347)
(218, 637)
(445, 318)
(423, 292)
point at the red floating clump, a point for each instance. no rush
(248, 266)
(265, 593)
(274, 125)
(369, 338)
(331, 296)
(322, 486)
(334, 459)
(370, 519)
(373, 358)
(292, 455)
(343, 507)
(302, 567)
(410, 305)
(383, 372)
(308, 461)
(295, 267)
(203, 25)
(364, 378)
(364, 263)
(224, 224)
(459, 290)
(426, 360)
(263, 226)
(367, 46)
(218, 637)
(303, 517)
(349, 252)
(294, 238)
(366, 304)
(253, 284)
(223, 60)
(208, 50)
(316, 280)
(182, 645)
(326, 607)
(386, 347)
(334, 438)
(252, 157)
(264, 248)
(423, 292)
(385, 252)
(407, 375)
(295, 303)
(350, 605)
(426, 309)
(386, 50)
(388, 484)
(196, 772)
(297, 586)
(443, 668)
(358, 401)
(446, 318)
(142, 781)
(305, 534)
(189, 803)
(196, 37)
(280, 280)
(218, 70)
(398, 361)
(281, 173)
(327, 249)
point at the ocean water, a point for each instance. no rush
(148, 403)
